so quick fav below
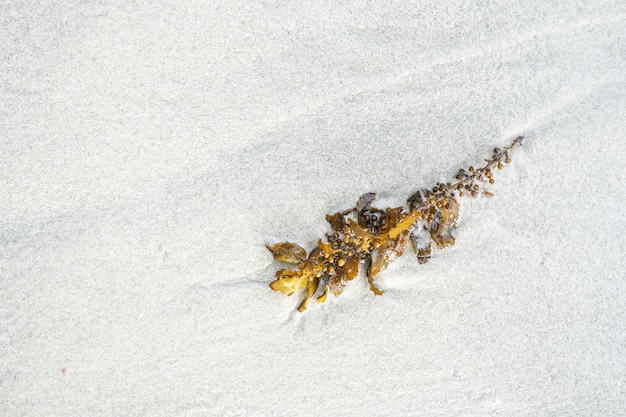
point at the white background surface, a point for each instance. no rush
(149, 151)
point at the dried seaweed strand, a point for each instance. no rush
(374, 237)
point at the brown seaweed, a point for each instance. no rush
(376, 237)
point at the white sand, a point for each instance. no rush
(150, 151)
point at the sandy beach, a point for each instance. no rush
(151, 150)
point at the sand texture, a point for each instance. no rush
(149, 150)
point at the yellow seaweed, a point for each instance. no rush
(378, 237)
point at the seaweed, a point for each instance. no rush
(374, 237)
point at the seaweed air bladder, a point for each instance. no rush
(373, 237)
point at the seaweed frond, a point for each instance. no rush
(374, 237)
